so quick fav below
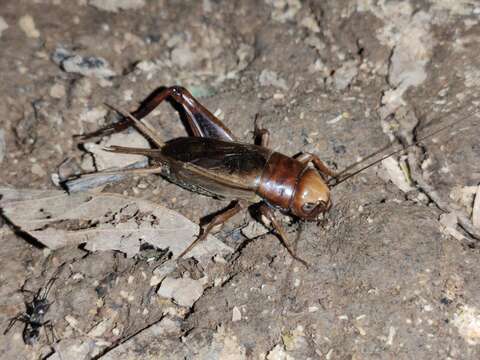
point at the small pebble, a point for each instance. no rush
(155, 280)
(182, 56)
(94, 115)
(218, 259)
(55, 179)
(361, 330)
(185, 292)
(271, 78)
(27, 24)
(82, 88)
(345, 75)
(236, 314)
(116, 5)
(38, 170)
(57, 91)
(3, 25)
(128, 95)
(391, 335)
(84, 65)
(142, 185)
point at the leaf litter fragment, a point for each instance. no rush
(110, 222)
(103, 222)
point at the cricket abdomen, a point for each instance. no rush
(216, 168)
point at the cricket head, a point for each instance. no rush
(312, 196)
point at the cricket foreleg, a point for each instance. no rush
(266, 211)
(319, 164)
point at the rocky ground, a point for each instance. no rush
(394, 265)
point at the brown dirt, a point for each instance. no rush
(385, 282)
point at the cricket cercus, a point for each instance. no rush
(214, 163)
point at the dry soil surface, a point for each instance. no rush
(394, 270)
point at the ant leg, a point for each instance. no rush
(219, 219)
(48, 326)
(261, 136)
(48, 286)
(319, 165)
(20, 317)
(266, 211)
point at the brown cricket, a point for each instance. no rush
(212, 162)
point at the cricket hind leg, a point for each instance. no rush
(197, 119)
(266, 211)
(220, 218)
(146, 107)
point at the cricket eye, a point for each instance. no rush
(309, 206)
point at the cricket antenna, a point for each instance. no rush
(344, 175)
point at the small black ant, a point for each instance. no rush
(34, 315)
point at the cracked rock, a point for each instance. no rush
(183, 291)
